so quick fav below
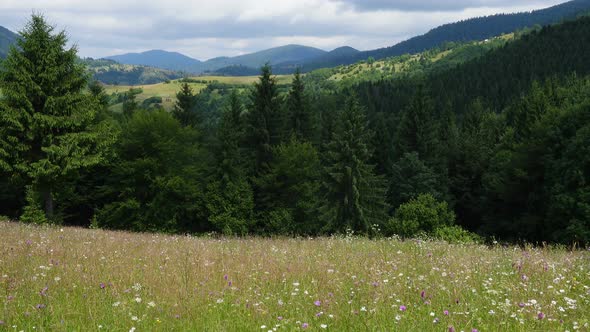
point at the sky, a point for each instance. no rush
(206, 29)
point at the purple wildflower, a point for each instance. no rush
(304, 325)
(541, 315)
(446, 312)
(102, 285)
(318, 303)
(521, 305)
(225, 277)
(474, 330)
(40, 306)
(402, 308)
(1, 322)
(229, 283)
(280, 318)
(422, 294)
(43, 292)
(451, 329)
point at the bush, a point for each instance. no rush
(456, 234)
(421, 214)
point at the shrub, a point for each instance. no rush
(421, 214)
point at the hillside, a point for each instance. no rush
(111, 72)
(7, 38)
(480, 28)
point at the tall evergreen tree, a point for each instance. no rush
(46, 132)
(417, 131)
(130, 103)
(300, 119)
(355, 196)
(184, 109)
(230, 136)
(263, 120)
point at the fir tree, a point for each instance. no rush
(230, 136)
(355, 195)
(184, 109)
(263, 120)
(300, 121)
(417, 131)
(46, 132)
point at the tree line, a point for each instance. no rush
(378, 159)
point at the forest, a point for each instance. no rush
(492, 148)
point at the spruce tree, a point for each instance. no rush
(230, 136)
(263, 120)
(300, 121)
(46, 131)
(184, 109)
(355, 196)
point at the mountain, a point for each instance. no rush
(176, 61)
(479, 28)
(7, 38)
(159, 59)
(330, 59)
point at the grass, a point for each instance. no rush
(167, 91)
(75, 279)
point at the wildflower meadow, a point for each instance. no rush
(74, 279)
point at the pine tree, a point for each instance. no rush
(264, 120)
(355, 196)
(300, 121)
(184, 109)
(46, 132)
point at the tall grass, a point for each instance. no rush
(74, 279)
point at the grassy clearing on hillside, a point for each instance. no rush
(167, 91)
(75, 279)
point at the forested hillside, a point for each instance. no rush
(480, 28)
(7, 38)
(492, 145)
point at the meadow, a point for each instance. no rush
(74, 279)
(167, 91)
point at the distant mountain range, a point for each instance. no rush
(286, 59)
(176, 61)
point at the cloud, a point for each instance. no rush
(205, 29)
(439, 5)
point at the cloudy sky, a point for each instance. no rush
(206, 29)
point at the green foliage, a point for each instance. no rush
(456, 234)
(411, 177)
(230, 207)
(421, 214)
(48, 131)
(154, 184)
(291, 187)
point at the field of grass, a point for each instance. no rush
(75, 279)
(167, 91)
